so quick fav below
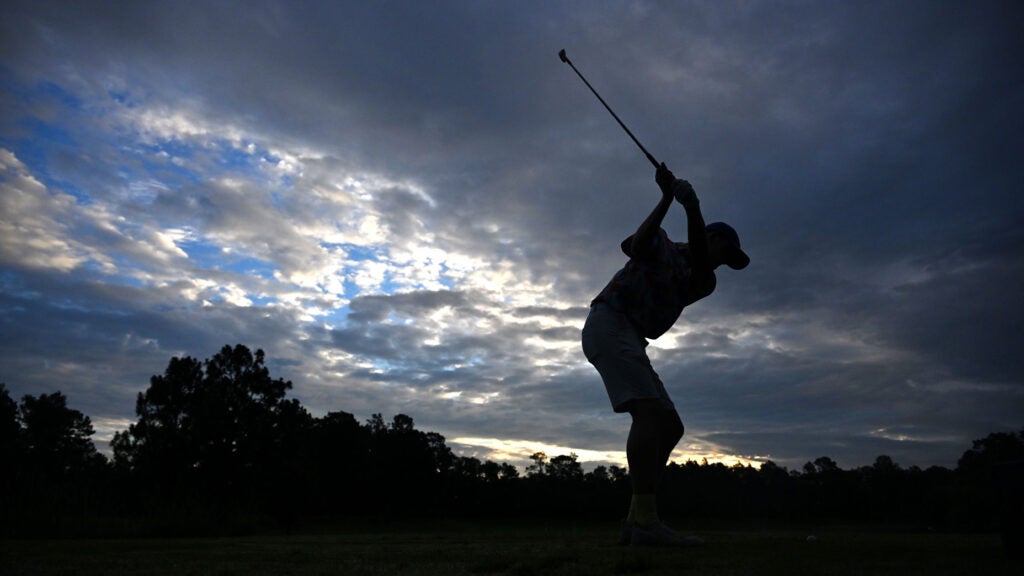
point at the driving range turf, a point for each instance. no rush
(521, 549)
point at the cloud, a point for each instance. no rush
(31, 230)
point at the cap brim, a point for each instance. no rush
(627, 246)
(738, 260)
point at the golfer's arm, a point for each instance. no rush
(697, 237)
(647, 231)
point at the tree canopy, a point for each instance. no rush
(218, 446)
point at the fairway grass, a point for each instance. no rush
(520, 550)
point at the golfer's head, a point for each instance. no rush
(724, 235)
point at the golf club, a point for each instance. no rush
(564, 58)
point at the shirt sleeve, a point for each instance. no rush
(654, 252)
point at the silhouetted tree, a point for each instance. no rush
(55, 438)
(992, 449)
(219, 440)
(9, 424)
(508, 472)
(598, 475)
(539, 466)
(221, 429)
(829, 491)
(981, 479)
(55, 472)
(163, 445)
(468, 468)
(491, 472)
(10, 432)
(884, 486)
(779, 491)
(565, 468)
(10, 456)
(407, 465)
(337, 457)
(618, 474)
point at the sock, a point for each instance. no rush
(643, 510)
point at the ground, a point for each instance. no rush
(520, 549)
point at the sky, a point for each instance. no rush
(409, 206)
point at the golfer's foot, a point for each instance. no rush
(661, 535)
(625, 534)
(691, 541)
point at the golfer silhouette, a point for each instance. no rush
(643, 300)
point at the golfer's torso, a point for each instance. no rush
(651, 292)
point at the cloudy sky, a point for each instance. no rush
(409, 205)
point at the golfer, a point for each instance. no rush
(642, 301)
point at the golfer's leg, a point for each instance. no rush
(655, 433)
(644, 453)
(644, 448)
(671, 431)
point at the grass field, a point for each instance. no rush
(523, 549)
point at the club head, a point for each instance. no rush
(561, 56)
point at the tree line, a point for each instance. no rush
(218, 448)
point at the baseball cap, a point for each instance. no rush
(736, 258)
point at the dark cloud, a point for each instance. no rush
(375, 308)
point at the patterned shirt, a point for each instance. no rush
(652, 289)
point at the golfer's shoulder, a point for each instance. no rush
(709, 283)
(701, 285)
(656, 246)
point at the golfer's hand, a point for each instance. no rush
(684, 192)
(664, 177)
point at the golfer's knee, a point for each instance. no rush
(673, 426)
(644, 410)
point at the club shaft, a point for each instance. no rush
(609, 108)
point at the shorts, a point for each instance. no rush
(618, 352)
